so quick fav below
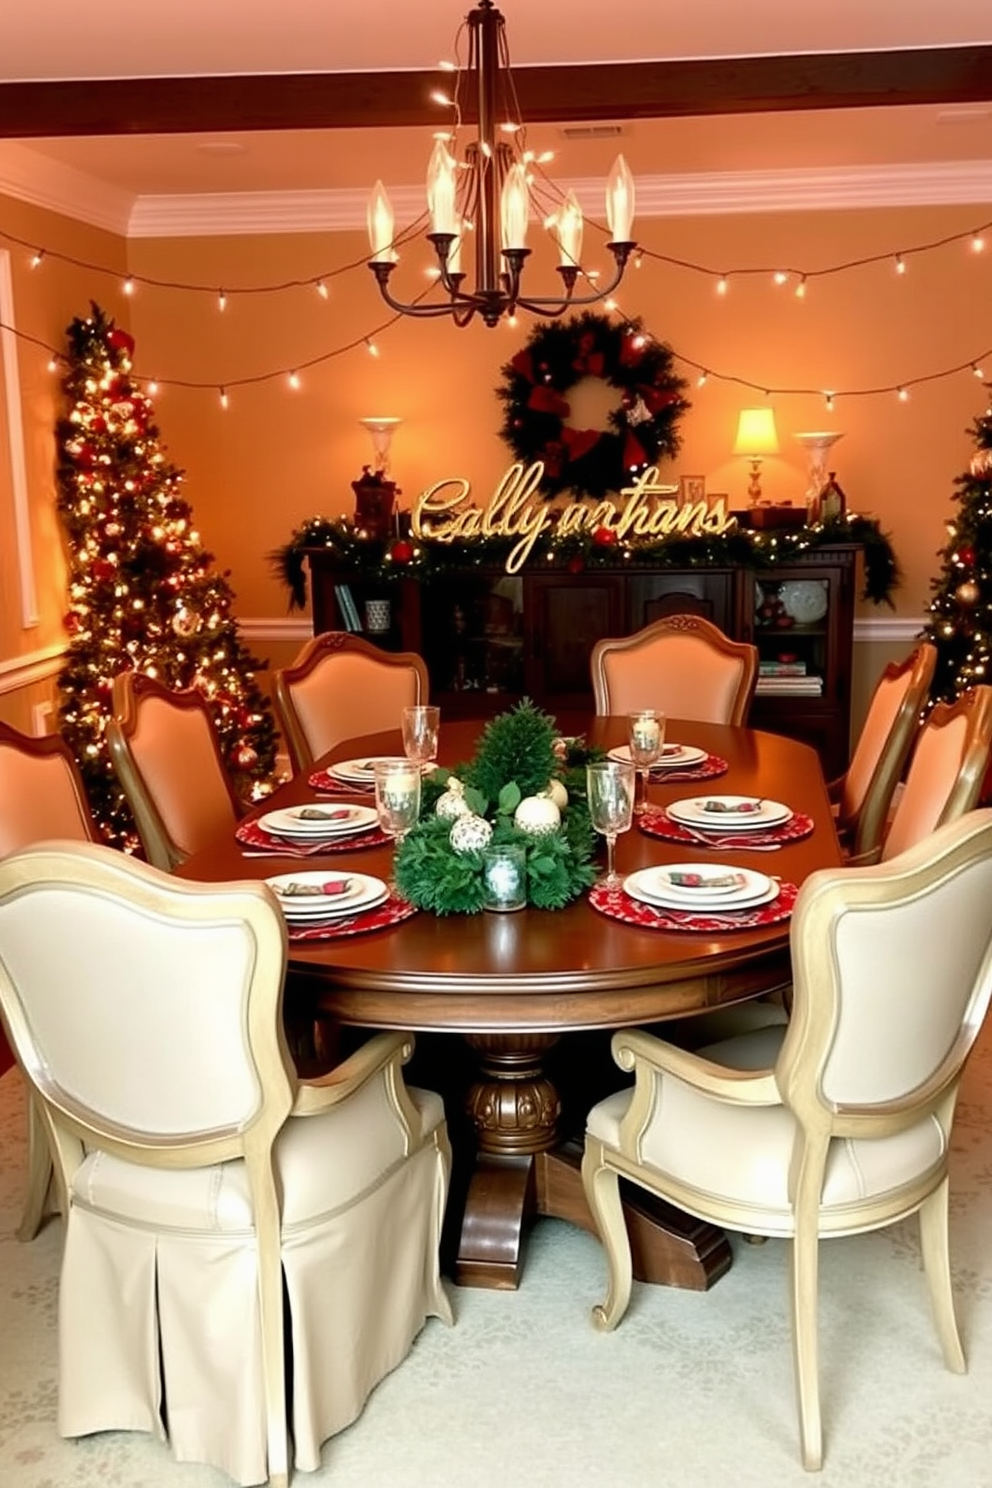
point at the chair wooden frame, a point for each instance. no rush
(888, 734)
(132, 690)
(671, 627)
(826, 1108)
(44, 749)
(317, 653)
(74, 1127)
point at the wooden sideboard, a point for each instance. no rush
(489, 638)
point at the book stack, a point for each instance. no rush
(347, 608)
(787, 679)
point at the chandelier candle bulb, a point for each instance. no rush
(514, 208)
(441, 189)
(380, 224)
(620, 201)
(569, 226)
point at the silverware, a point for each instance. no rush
(724, 844)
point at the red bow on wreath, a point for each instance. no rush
(588, 361)
(571, 445)
(545, 400)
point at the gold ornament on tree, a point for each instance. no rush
(967, 593)
(981, 464)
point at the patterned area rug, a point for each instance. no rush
(692, 1389)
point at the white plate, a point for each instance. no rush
(341, 821)
(648, 885)
(363, 893)
(362, 771)
(674, 755)
(694, 814)
(666, 880)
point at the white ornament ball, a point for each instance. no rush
(537, 814)
(470, 833)
(452, 805)
(557, 793)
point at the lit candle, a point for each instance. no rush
(380, 224)
(620, 201)
(441, 189)
(647, 733)
(504, 875)
(570, 232)
(514, 204)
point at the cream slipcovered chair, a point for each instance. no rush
(41, 796)
(832, 1125)
(166, 756)
(341, 686)
(202, 1182)
(949, 763)
(683, 665)
(864, 793)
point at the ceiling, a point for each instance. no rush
(190, 97)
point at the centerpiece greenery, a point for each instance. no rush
(525, 785)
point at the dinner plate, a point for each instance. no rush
(729, 813)
(650, 886)
(694, 881)
(362, 771)
(672, 755)
(364, 891)
(333, 821)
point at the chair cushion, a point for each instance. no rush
(363, 1133)
(742, 1153)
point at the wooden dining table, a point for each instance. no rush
(513, 986)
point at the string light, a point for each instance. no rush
(36, 258)
(221, 301)
(977, 242)
(701, 379)
(373, 349)
(829, 400)
(780, 277)
(902, 394)
(900, 264)
(128, 286)
(722, 285)
(294, 381)
(801, 288)
(322, 289)
(223, 398)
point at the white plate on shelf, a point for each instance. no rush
(729, 813)
(654, 886)
(672, 756)
(334, 821)
(362, 771)
(363, 892)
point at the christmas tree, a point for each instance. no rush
(961, 610)
(143, 593)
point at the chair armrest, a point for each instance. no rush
(644, 1054)
(835, 789)
(385, 1052)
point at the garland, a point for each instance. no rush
(440, 864)
(642, 430)
(388, 562)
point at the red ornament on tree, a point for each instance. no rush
(575, 565)
(604, 537)
(243, 756)
(967, 556)
(401, 551)
(120, 340)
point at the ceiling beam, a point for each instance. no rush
(627, 90)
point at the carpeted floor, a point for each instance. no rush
(693, 1389)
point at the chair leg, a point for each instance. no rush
(804, 1278)
(602, 1190)
(937, 1266)
(39, 1175)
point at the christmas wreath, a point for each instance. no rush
(526, 787)
(643, 428)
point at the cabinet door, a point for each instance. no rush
(565, 615)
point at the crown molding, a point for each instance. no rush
(27, 176)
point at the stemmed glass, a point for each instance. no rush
(420, 727)
(646, 742)
(610, 786)
(397, 799)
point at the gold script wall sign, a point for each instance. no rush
(443, 513)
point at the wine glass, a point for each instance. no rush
(610, 786)
(397, 799)
(646, 741)
(420, 726)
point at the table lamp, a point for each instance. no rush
(756, 437)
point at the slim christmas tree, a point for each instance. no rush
(961, 609)
(143, 593)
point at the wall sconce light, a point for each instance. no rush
(756, 437)
(381, 430)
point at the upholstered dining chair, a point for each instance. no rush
(42, 796)
(165, 754)
(682, 664)
(246, 1255)
(341, 686)
(863, 794)
(948, 766)
(829, 1125)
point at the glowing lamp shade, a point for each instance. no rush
(756, 437)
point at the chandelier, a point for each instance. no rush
(492, 202)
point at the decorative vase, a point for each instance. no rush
(817, 445)
(374, 498)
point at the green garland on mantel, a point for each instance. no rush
(422, 560)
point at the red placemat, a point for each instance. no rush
(618, 905)
(655, 822)
(265, 844)
(329, 785)
(707, 769)
(392, 912)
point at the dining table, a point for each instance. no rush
(516, 986)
